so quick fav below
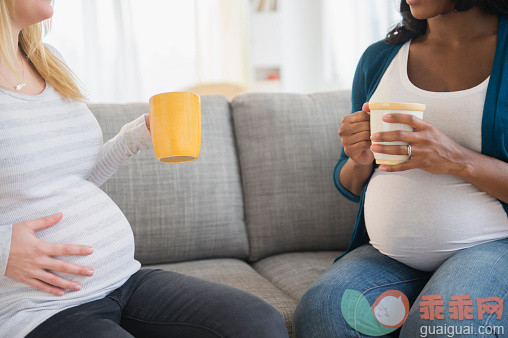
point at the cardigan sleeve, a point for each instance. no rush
(358, 98)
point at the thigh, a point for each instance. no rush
(364, 273)
(458, 292)
(169, 304)
(100, 318)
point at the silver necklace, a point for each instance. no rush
(21, 80)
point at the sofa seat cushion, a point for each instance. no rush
(293, 273)
(238, 274)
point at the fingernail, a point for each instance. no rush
(60, 293)
(89, 250)
(387, 117)
(77, 287)
(374, 137)
(89, 272)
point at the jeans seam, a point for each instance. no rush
(378, 286)
(122, 304)
(116, 301)
(172, 323)
(392, 283)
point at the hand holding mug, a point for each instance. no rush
(355, 136)
(431, 149)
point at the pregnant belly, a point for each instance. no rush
(422, 219)
(91, 218)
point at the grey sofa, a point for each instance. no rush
(258, 210)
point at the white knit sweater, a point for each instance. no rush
(52, 159)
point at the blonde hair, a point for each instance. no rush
(52, 69)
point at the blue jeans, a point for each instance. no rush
(156, 303)
(480, 271)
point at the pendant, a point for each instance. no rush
(20, 86)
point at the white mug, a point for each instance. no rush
(377, 111)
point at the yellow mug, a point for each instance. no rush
(175, 124)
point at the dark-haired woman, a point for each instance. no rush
(434, 228)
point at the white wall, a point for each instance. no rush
(302, 46)
(322, 40)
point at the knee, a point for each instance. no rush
(318, 314)
(306, 314)
(270, 322)
(256, 318)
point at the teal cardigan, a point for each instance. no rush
(369, 72)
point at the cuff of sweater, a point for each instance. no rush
(336, 178)
(5, 246)
(136, 135)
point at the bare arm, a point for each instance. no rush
(353, 176)
(486, 173)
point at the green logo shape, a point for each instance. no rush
(358, 314)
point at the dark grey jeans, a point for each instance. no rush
(157, 303)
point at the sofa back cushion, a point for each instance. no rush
(181, 211)
(288, 147)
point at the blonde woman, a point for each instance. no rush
(73, 273)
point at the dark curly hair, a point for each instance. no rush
(411, 28)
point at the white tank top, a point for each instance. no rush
(418, 218)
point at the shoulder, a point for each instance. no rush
(54, 51)
(378, 53)
(374, 61)
(371, 67)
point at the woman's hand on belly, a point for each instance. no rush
(31, 259)
(431, 149)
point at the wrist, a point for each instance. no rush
(355, 175)
(136, 135)
(463, 164)
(362, 167)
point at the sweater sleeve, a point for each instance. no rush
(5, 246)
(358, 98)
(116, 153)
